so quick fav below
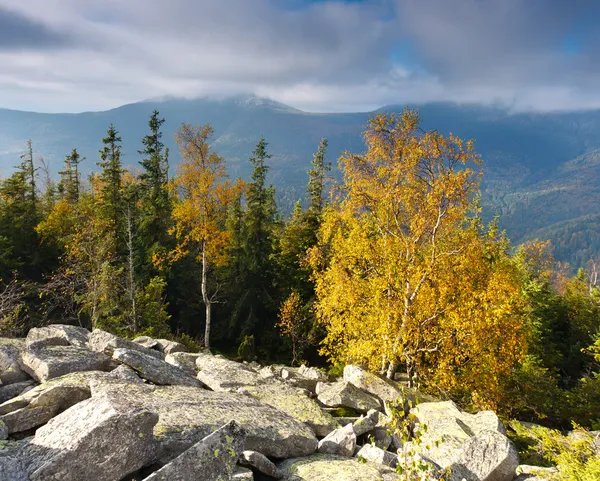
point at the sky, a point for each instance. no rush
(316, 55)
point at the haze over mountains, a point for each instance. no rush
(542, 171)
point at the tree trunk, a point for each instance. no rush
(393, 366)
(205, 297)
(131, 263)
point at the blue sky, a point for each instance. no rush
(319, 55)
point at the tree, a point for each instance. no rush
(70, 179)
(390, 250)
(199, 215)
(110, 183)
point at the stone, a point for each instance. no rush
(185, 361)
(260, 463)
(295, 403)
(124, 373)
(55, 361)
(154, 370)
(366, 423)
(40, 404)
(213, 458)
(169, 347)
(57, 335)
(10, 354)
(102, 341)
(298, 380)
(269, 372)
(312, 373)
(13, 390)
(221, 374)
(242, 474)
(341, 442)
(100, 439)
(146, 342)
(322, 467)
(448, 428)
(487, 456)
(377, 455)
(188, 414)
(381, 437)
(378, 386)
(13, 463)
(345, 394)
(3, 431)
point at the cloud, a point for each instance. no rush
(325, 55)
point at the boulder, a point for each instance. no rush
(221, 374)
(55, 361)
(13, 465)
(487, 456)
(13, 390)
(448, 429)
(242, 474)
(312, 373)
(269, 372)
(102, 341)
(322, 467)
(124, 373)
(10, 354)
(213, 458)
(100, 439)
(381, 437)
(3, 431)
(366, 423)
(169, 347)
(345, 394)
(57, 335)
(297, 380)
(341, 442)
(260, 463)
(378, 386)
(294, 402)
(40, 404)
(377, 455)
(154, 370)
(185, 361)
(188, 414)
(146, 342)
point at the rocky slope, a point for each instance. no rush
(87, 406)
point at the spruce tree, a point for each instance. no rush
(70, 182)
(111, 178)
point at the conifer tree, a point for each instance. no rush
(110, 179)
(69, 185)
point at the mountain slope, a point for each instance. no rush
(542, 171)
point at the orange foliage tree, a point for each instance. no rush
(403, 272)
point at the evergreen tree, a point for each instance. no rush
(69, 185)
(111, 178)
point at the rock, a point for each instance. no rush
(377, 455)
(124, 373)
(295, 403)
(57, 335)
(341, 442)
(169, 347)
(13, 390)
(10, 354)
(13, 466)
(366, 423)
(298, 380)
(261, 463)
(381, 387)
(321, 467)
(3, 431)
(345, 394)
(448, 428)
(42, 403)
(535, 473)
(154, 370)
(242, 474)
(213, 458)
(221, 374)
(381, 437)
(269, 372)
(146, 341)
(487, 456)
(102, 341)
(100, 439)
(188, 414)
(55, 361)
(185, 361)
(312, 373)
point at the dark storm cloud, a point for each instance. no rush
(19, 32)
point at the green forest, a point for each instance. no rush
(392, 267)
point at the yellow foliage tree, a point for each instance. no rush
(199, 215)
(400, 258)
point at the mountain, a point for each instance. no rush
(542, 170)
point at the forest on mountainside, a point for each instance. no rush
(391, 267)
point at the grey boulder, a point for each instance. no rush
(154, 370)
(213, 458)
(57, 335)
(13, 390)
(341, 442)
(377, 455)
(185, 361)
(345, 394)
(124, 373)
(55, 361)
(146, 342)
(169, 347)
(366, 423)
(10, 354)
(260, 463)
(221, 374)
(102, 341)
